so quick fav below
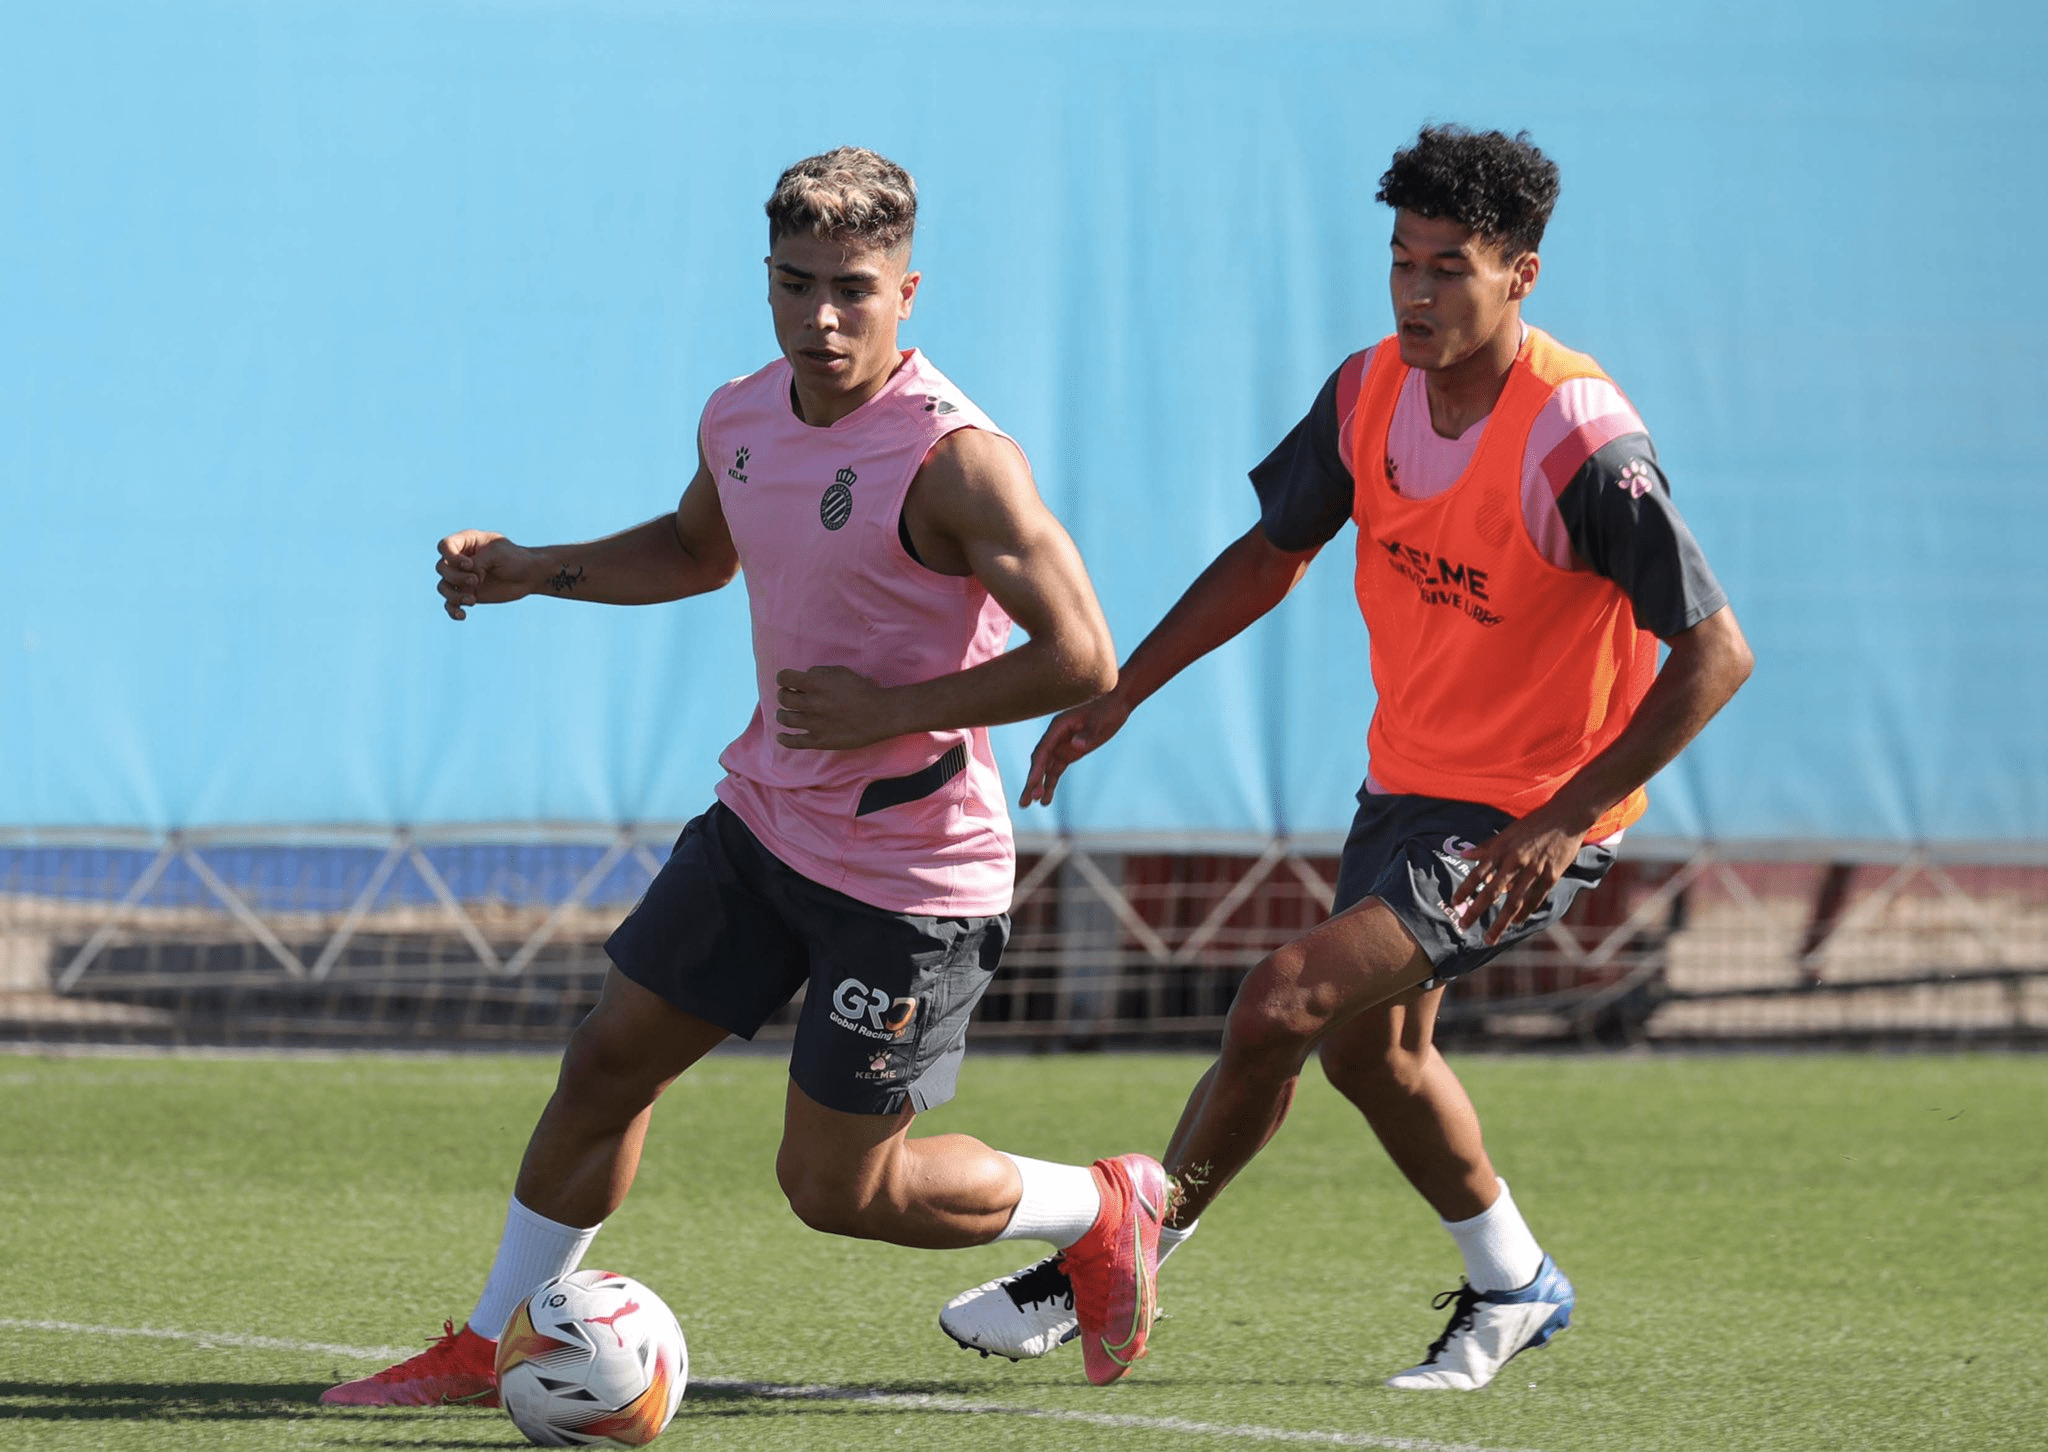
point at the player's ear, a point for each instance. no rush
(1522, 274)
(907, 294)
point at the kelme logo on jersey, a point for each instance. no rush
(872, 1013)
(1449, 583)
(739, 464)
(939, 405)
(837, 505)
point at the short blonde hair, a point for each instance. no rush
(849, 194)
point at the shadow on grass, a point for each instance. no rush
(1025, 1396)
(974, 1398)
(167, 1401)
(719, 1390)
(196, 1401)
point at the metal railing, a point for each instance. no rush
(482, 936)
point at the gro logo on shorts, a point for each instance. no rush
(1452, 855)
(886, 1017)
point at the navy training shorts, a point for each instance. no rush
(1404, 850)
(729, 932)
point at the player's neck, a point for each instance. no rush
(1466, 391)
(823, 407)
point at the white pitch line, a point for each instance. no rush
(215, 1338)
(824, 1393)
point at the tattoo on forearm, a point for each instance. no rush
(563, 582)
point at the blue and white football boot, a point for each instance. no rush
(1487, 1329)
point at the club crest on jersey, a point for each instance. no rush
(837, 505)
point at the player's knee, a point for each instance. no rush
(1273, 1019)
(1257, 1036)
(602, 1066)
(801, 1189)
(1374, 1068)
(820, 1202)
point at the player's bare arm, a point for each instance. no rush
(972, 510)
(687, 552)
(1249, 578)
(1518, 866)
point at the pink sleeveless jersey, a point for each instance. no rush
(814, 515)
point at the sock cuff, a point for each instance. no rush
(1056, 1203)
(531, 1251)
(1503, 1198)
(514, 1211)
(1500, 1252)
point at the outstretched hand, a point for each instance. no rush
(478, 567)
(1071, 736)
(1516, 868)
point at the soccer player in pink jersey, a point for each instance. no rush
(1519, 558)
(889, 534)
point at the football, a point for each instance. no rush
(592, 1359)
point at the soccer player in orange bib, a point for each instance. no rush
(1519, 558)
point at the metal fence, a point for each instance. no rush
(497, 938)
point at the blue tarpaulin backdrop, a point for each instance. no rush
(290, 288)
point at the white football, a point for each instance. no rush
(592, 1359)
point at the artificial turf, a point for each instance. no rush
(1799, 1252)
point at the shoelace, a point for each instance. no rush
(1467, 1301)
(1043, 1282)
(402, 1371)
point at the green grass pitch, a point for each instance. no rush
(1771, 1252)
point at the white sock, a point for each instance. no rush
(1059, 1203)
(1170, 1238)
(532, 1252)
(1500, 1253)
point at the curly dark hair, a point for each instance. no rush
(1500, 186)
(851, 194)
